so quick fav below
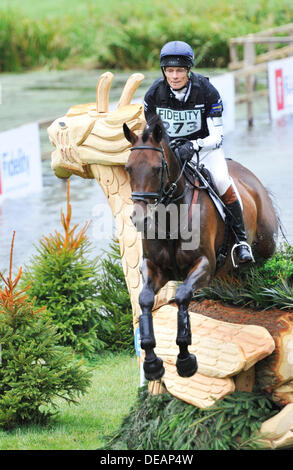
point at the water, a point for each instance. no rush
(36, 96)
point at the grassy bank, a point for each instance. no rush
(104, 35)
(83, 427)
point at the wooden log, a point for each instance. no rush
(273, 374)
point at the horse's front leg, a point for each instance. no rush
(153, 280)
(198, 277)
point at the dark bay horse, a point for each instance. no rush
(156, 179)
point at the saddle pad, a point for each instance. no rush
(218, 205)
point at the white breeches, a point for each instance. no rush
(214, 161)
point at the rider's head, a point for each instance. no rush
(176, 60)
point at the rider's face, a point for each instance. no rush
(177, 77)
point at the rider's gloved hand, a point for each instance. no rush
(196, 146)
(186, 151)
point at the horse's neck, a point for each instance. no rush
(174, 170)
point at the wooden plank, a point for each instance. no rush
(287, 28)
(256, 94)
(263, 40)
(250, 70)
(265, 57)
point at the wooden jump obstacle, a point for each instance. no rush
(279, 47)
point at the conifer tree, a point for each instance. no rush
(64, 279)
(34, 368)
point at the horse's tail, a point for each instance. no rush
(277, 211)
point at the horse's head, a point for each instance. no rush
(147, 168)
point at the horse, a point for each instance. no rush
(156, 178)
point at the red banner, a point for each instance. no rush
(279, 89)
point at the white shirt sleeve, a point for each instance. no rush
(215, 139)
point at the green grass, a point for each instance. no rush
(99, 413)
(126, 34)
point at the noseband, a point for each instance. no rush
(160, 196)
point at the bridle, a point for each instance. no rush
(162, 196)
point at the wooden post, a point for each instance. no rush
(249, 59)
(233, 57)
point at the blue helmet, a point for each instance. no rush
(176, 54)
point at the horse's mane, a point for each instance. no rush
(148, 130)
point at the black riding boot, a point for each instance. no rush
(242, 248)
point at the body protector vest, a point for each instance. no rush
(186, 118)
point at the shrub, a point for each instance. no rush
(265, 285)
(64, 279)
(131, 37)
(26, 43)
(114, 301)
(164, 422)
(34, 369)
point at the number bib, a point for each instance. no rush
(180, 123)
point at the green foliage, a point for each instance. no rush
(129, 37)
(26, 43)
(114, 302)
(34, 369)
(64, 280)
(66, 283)
(87, 300)
(265, 285)
(163, 422)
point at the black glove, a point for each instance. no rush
(184, 150)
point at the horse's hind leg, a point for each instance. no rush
(199, 276)
(153, 281)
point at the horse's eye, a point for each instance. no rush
(156, 169)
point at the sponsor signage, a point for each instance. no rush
(280, 77)
(20, 161)
(225, 85)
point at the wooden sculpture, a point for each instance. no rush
(232, 350)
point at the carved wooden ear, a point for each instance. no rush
(129, 135)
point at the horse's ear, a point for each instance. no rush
(157, 133)
(129, 135)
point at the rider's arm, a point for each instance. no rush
(214, 107)
(215, 138)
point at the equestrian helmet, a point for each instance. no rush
(176, 54)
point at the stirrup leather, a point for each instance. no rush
(236, 245)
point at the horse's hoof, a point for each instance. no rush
(153, 370)
(186, 367)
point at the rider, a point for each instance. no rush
(191, 108)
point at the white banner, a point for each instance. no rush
(226, 87)
(20, 161)
(280, 75)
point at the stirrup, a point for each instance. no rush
(236, 245)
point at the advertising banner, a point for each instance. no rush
(226, 87)
(20, 161)
(280, 76)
